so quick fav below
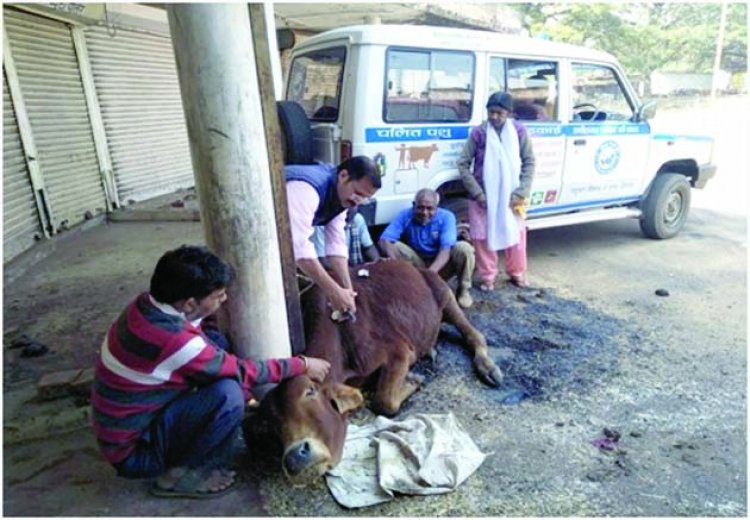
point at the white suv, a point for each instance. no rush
(408, 96)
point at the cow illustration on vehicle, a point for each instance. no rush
(421, 153)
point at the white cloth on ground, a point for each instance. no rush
(501, 174)
(424, 454)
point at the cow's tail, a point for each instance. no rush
(475, 341)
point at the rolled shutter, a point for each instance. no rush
(21, 225)
(139, 95)
(51, 84)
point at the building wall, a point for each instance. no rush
(77, 148)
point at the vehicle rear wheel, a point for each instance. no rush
(459, 206)
(666, 207)
(297, 133)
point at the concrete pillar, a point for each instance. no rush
(218, 80)
(264, 53)
(273, 47)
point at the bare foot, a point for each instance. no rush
(217, 480)
(183, 481)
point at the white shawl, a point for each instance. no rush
(502, 171)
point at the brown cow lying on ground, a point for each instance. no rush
(399, 311)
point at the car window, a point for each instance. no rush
(598, 94)
(315, 83)
(428, 86)
(497, 80)
(532, 83)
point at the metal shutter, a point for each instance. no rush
(51, 84)
(21, 226)
(139, 95)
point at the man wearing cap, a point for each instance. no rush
(499, 186)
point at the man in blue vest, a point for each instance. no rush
(319, 195)
(429, 241)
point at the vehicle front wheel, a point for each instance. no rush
(666, 207)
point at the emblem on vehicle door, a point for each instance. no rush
(607, 157)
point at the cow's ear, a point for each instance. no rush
(347, 398)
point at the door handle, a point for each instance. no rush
(579, 142)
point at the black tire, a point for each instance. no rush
(296, 133)
(666, 207)
(459, 206)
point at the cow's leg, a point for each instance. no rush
(452, 313)
(475, 342)
(395, 384)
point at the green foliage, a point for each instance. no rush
(646, 37)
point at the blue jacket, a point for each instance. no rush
(323, 178)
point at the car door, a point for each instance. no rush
(606, 150)
(533, 83)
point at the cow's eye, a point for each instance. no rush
(311, 391)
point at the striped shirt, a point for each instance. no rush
(150, 356)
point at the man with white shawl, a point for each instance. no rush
(499, 186)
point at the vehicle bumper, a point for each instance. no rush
(705, 172)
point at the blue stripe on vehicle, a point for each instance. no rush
(536, 130)
(415, 133)
(613, 128)
(675, 137)
(544, 129)
(581, 205)
(586, 129)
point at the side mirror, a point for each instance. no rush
(646, 111)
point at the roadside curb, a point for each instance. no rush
(155, 215)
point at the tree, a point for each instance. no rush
(646, 37)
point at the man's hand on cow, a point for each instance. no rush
(342, 299)
(317, 368)
(482, 201)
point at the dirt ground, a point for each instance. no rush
(590, 346)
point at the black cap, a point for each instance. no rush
(502, 100)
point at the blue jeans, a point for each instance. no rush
(196, 429)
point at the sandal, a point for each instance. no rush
(189, 486)
(519, 280)
(486, 287)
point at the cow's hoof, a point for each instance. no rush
(488, 371)
(495, 377)
(464, 299)
(414, 379)
(385, 411)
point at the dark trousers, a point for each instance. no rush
(196, 429)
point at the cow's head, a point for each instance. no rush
(310, 419)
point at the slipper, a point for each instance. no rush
(519, 280)
(486, 287)
(187, 487)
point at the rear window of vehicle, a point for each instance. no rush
(315, 83)
(427, 86)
